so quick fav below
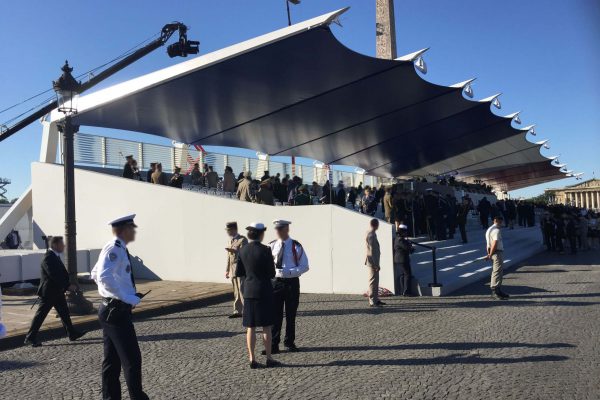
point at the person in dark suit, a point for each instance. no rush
(177, 179)
(256, 268)
(127, 168)
(402, 271)
(54, 281)
(484, 207)
(461, 218)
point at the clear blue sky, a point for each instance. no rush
(543, 55)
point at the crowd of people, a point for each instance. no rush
(427, 212)
(570, 228)
(154, 175)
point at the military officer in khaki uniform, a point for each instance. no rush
(236, 241)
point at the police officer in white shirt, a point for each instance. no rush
(290, 262)
(114, 276)
(495, 252)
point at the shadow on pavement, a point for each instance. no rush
(539, 271)
(448, 360)
(188, 336)
(443, 346)
(365, 310)
(514, 301)
(8, 365)
(79, 342)
(485, 290)
(463, 358)
(166, 318)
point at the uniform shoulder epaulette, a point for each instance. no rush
(117, 243)
(272, 241)
(297, 243)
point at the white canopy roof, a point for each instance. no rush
(299, 91)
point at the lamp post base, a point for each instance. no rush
(78, 304)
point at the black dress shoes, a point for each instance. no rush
(77, 335)
(32, 343)
(292, 348)
(254, 365)
(235, 315)
(498, 295)
(274, 350)
(380, 303)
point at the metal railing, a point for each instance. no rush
(435, 282)
(94, 150)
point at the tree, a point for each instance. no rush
(543, 198)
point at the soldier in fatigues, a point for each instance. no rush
(236, 242)
(116, 285)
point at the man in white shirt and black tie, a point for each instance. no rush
(290, 263)
(114, 276)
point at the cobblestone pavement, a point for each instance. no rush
(541, 344)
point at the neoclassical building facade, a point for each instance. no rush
(585, 194)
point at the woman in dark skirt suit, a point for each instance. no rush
(256, 268)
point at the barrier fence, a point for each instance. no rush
(108, 152)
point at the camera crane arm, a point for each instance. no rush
(182, 48)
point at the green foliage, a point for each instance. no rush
(543, 198)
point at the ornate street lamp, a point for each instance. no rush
(67, 94)
(67, 91)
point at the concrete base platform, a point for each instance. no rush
(166, 297)
(459, 265)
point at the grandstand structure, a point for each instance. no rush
(294, 92)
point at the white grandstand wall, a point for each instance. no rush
(181, 235)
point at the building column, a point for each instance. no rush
(598, 200)
(568, 198)
(576, 199)
(587, 199)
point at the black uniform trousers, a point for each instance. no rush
(463, 231)
(46, 303)
(286, 294)
(431, 229)
(484, 219)
(402, 276)
(120, 349)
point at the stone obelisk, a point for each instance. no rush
(385, 29)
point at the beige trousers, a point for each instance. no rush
(373, 292)
(497, 261)
(238, 299)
